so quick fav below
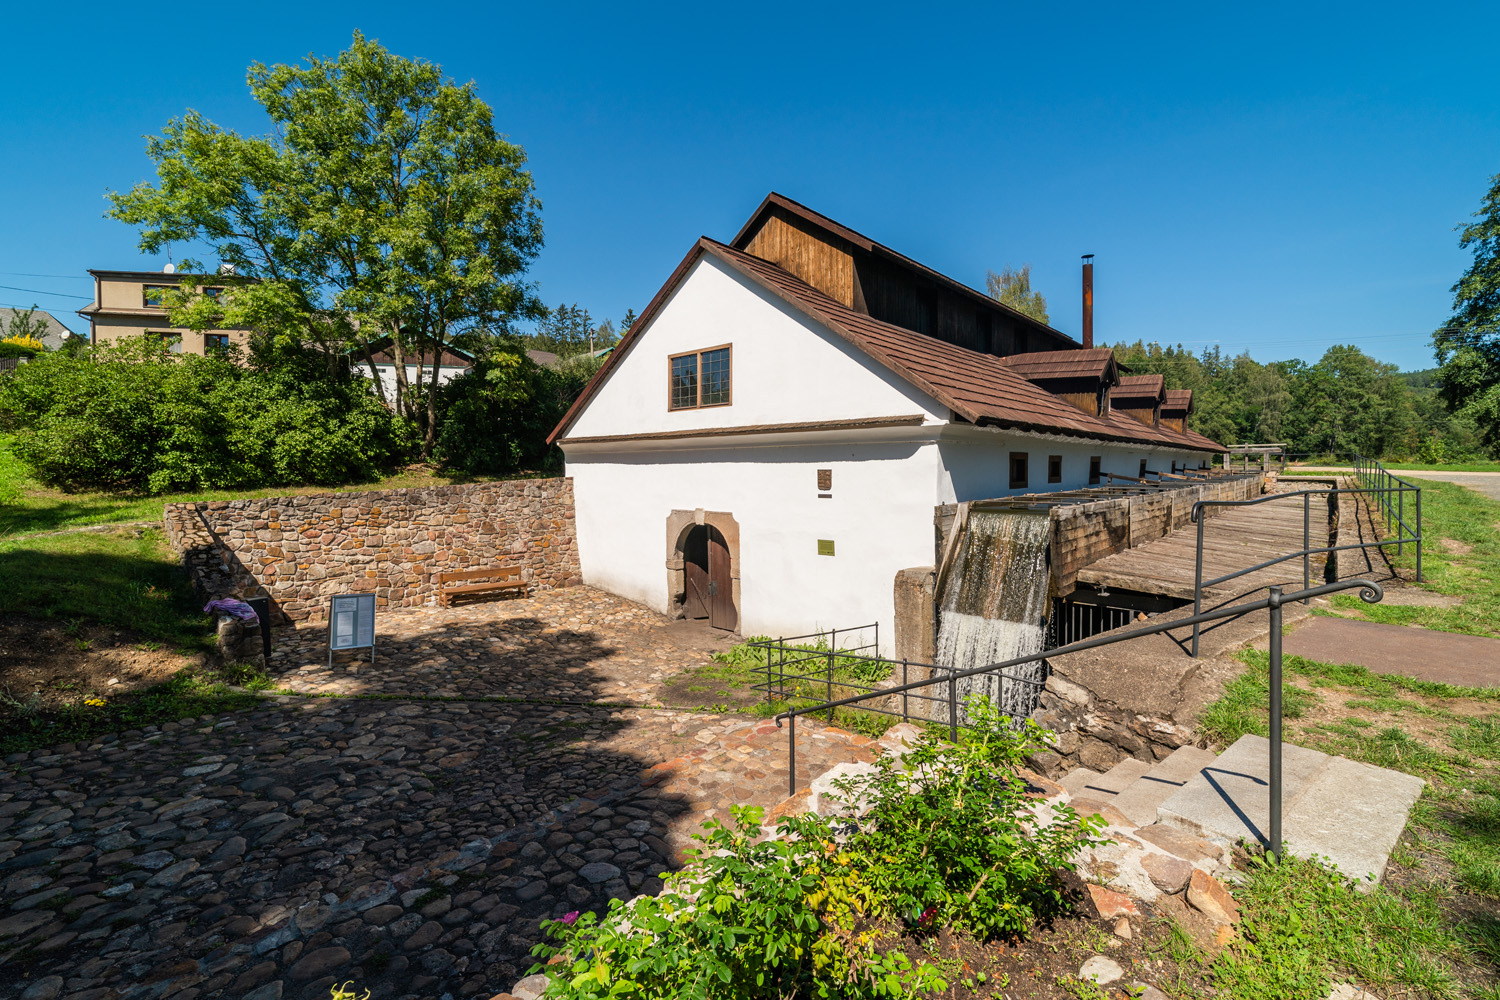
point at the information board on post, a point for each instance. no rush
(351, 623)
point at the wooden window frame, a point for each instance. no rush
(220, 341)
(146, 291)
(1096, 469)
(166, 339)
(698, 391)
(1024, 457)
(1054, 468)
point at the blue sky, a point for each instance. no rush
(1273, 179)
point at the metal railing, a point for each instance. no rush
(1373, 475)
(1405, 534)
(1369, 591)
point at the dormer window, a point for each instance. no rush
(699, 378)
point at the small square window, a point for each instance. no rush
(699, 378)
(1019, 477)
(214, 343)
(169, 343)
(1094, 474)
(151, 295)
(1054, 468)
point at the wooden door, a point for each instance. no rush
(722, 612)
(695, 599)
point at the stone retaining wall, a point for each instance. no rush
(299, 550)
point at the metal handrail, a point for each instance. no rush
(1404, 535)
(1370, 471)
(1369, 591)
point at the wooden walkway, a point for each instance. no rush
(1233, 539)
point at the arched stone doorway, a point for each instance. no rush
(703, 566)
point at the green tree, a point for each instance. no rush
(384, 202)
(1012, 287)
(567, 330)
(1468, 345)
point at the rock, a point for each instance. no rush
(1169, 874)
(1145, 991)
(44, 989)
(532, 890)
(270, 991)
(530, 988)
(1341, 991)
(1209, 897)
(1111, 904)
(173, 874)
(153, 860)
(1181, 843)
(24, 922)
(383, 914)
(1122, 929)
(424, 936)
(1101, 970)
(319, 963)
(598, 872)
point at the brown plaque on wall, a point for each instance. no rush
(825, 480)
(825, 546)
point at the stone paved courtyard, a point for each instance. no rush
(576, 644)
(410, 845)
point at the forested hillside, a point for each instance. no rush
(1347, 402)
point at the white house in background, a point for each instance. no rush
(452, 364)
(767, 444)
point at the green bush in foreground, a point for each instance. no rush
(130, 416)
(951, 841)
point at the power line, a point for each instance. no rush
(28, 274)
(38, 291)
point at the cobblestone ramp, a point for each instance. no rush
(412, 847)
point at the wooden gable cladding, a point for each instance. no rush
(1145, 412)
(1175, 422)
(822, 260)
(873, 279)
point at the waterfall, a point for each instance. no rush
(994, 606)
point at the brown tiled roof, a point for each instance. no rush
(1093, 362)
(1179, 400)
(977, 387)
(1133, 387)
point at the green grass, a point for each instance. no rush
(187, 695)
(127, 579)
(1450, 511)
(1437, 935)
(1399, 466)
(28, 507)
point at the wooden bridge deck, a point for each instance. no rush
(1235, 538)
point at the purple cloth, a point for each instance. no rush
(233, 608)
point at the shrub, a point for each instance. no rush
(495, 418)
(21, 347)
(131, 416)
(949, 838)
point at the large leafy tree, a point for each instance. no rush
(383, 204)
(1012, 287)
(1468, 345)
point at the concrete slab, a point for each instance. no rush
(1353, 814)
(1445, 657)
(1350, 814)
(1141, 799)
(1104, 787)
(1232, 798)
(1076, 780)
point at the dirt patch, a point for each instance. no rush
(64, 663)
(1045, 966)
(1454, 547)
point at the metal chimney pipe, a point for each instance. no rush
(1088, 300)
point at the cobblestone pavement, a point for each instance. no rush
(411, 846)
(576, 643)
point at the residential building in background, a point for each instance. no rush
(128, 304)
(55, 335)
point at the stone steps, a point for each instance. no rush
(1349, 813)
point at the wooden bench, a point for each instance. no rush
(497, 578)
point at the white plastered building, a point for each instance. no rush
(768, 453)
